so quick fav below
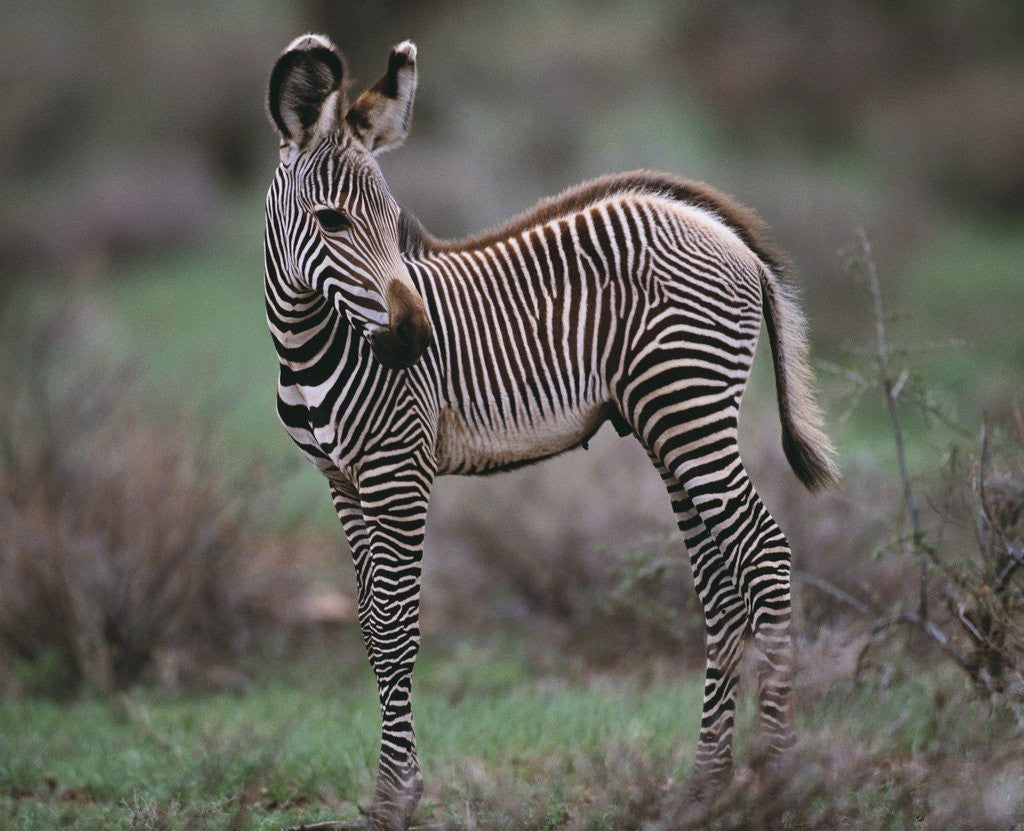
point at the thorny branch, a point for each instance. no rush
(891, 388)
(989, 657)
(1013, 556)
(833, 591)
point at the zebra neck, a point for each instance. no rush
(298, 318)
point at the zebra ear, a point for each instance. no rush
(380, 118)
(306, 96)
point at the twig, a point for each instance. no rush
(891, 390)
(956, 608)
(934, 632)
(1013, 556)
(920, 400)
(850, 375)
(834, 591)
(138, 714)
(1014, 560)
(942, 639)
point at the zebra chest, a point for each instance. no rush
(333, 432)
(470, 443)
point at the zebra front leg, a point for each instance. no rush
(725, 626)
(384, 525)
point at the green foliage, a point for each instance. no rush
(197, 321)
(45, 674)
(197, 326)
(963, 294)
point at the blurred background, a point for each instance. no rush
(140, 439)
(160, 535)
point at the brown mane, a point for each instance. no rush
(742, 221)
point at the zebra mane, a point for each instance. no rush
(416, 239)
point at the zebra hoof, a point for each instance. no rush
(707, 781)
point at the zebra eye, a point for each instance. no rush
(331, 220)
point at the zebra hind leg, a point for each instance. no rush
(699, 448)
(725, 626)
(757, 557)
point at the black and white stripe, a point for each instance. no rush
(636, 299)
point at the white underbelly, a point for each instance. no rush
(465, 447)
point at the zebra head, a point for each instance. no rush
(332, 224)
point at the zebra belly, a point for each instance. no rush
(465, 447)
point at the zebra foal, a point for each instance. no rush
(635, 298)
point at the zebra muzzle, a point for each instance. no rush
(407, 335)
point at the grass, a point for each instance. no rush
(500, 747)
(969, 328)
(303, 745)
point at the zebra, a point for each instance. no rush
(635, 299)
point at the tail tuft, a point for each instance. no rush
(804, 441)
(813, 468)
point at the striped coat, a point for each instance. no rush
(635, 299)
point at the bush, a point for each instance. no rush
(965, 548)
(122, 541)
(577, 557)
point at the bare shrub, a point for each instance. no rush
(969, 594)
(121, 538)
(831, 782)
(589, 565)
(978, 562)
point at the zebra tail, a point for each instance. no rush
(804, 441)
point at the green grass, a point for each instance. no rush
(197, 321)
(500, 748)
(303, 746)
